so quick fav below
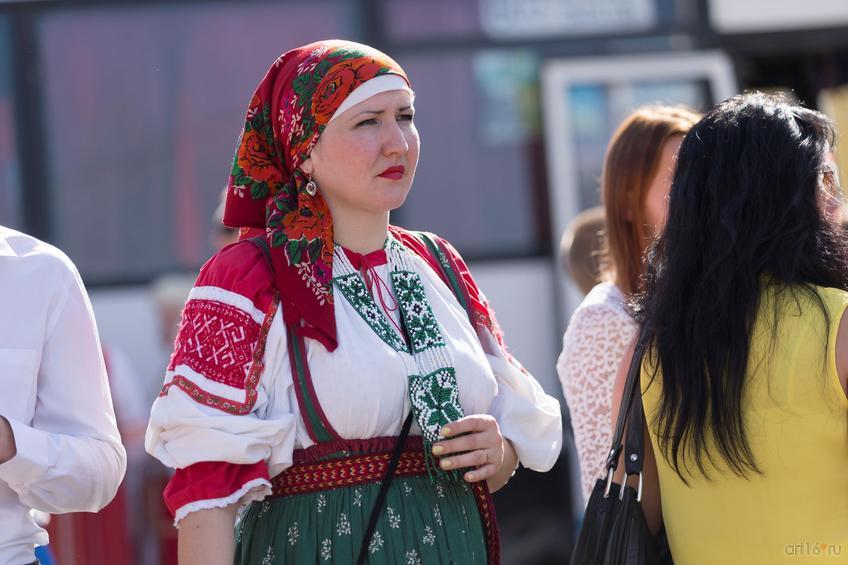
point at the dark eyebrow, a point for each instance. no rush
(378, 112)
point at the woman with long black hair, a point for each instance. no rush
(744, 382)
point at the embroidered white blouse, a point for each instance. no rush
(594, 343)
(361, 386)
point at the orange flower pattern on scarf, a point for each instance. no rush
(289, 110)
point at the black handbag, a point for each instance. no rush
(614, 530)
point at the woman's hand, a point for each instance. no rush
(475, 443)
(8, 449)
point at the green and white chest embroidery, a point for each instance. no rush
(421, 324)
(353, 289)
(436, 398)
(431, 377)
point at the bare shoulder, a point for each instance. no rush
(835, 301)
(842, 351)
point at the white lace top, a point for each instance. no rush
(597, 336)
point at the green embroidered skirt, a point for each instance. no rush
(422, 521)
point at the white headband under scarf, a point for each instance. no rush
(366, 90)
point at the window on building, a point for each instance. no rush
(10, 188)
(143, 105)
(481, 178)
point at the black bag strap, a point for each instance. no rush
(631, 390)
(634, 446)
(384, 489)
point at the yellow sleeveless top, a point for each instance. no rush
(796, 418)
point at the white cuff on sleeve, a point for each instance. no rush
(253, 490)
(31, 460)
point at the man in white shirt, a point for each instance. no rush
(59, 446)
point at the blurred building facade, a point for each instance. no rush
(118, 121)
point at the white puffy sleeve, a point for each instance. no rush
(221, 420)
(528, 417)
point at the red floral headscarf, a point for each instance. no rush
(289, 110)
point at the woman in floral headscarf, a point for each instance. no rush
(306, 354)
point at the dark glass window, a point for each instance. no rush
(143, 106)
(407, 20)
(598, 109)
(481, 176)
(10, 188)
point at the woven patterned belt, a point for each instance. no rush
(307, 477)
(347, 471)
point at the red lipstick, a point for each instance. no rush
(394, 173)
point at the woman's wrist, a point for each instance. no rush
(507, 468)
(510, 462)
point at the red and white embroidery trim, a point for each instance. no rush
(217, 341)
(223, 344)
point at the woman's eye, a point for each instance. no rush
(369, 122)
(406, 117)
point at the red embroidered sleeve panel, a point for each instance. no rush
(223, 329)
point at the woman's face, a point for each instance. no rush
(365, 159)
(656, 197)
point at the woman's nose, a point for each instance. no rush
(395, 142)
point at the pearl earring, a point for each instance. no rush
(311, 188)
